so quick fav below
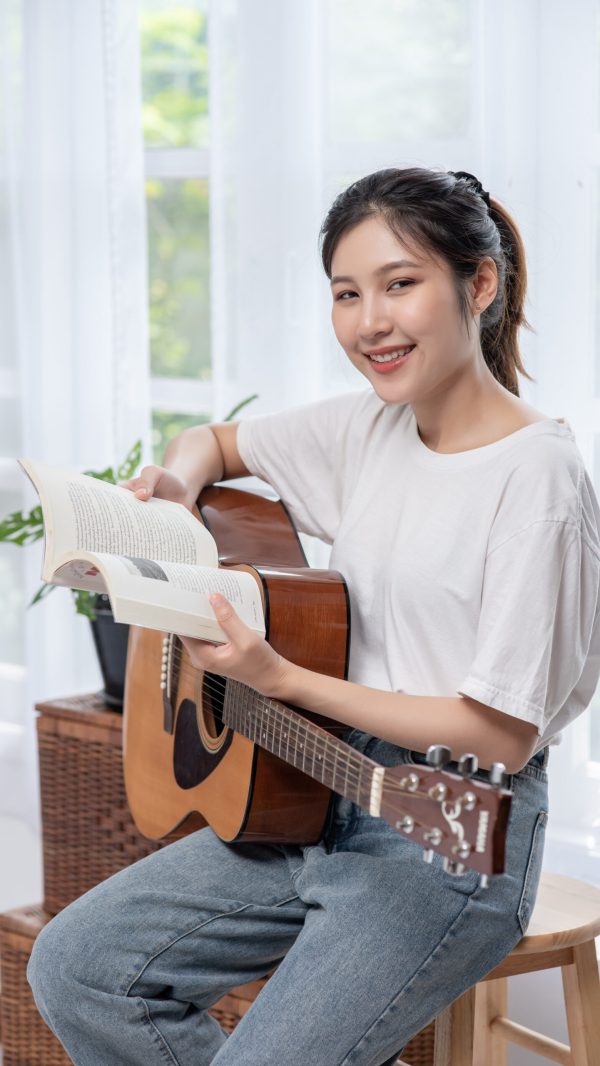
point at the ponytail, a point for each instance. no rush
(502, 320)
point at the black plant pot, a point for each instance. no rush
(110, 638)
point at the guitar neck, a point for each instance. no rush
(303, 744)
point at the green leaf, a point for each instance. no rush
(234, 411)
(41, 593)
(19, 528)
(85, 603)
(102, 475)
(131, 463)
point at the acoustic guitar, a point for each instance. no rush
(201, 749)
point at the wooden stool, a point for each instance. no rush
(474, 1030)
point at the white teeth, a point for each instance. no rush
(389, 358)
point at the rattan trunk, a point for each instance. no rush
(88, 834)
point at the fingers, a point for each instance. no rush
(230, 622)
(144, 484)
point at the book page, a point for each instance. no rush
(163, 595)
(82, 513)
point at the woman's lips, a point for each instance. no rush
(389, 365)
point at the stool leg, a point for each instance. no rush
(582, 1002)
(491, 1001)
(454, 1032)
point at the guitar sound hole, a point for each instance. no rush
(213, 697)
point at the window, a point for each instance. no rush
(397, 90)
(174, 43)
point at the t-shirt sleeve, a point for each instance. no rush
(301, 453)
(539, 612)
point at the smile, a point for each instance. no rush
(386, 361)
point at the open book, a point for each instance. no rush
(155, 560)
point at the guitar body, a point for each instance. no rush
(183, 768)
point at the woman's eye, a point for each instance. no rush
(343, 295)
(402, 282)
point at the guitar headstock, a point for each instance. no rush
(462, 818)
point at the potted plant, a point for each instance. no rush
(110, 637)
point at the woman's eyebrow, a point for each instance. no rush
(380, 270)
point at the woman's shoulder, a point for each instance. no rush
(546, 481)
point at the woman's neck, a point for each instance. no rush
(471, 414)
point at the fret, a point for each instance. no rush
(299, 750)
(335, 767)
(301, 743)
(249, 721)
(303, 747)
(322, 757)
(313, 757)
(275, 718)
(287, 742)
(359, 786)
(264, 725)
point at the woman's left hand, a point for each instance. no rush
(247, 657)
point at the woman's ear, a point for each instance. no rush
(484, 286)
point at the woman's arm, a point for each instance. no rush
(196, 457)
(414, 722)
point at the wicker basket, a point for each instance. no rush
(88, 833)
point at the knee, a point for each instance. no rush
(51, 965)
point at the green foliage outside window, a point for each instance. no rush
(179, 278)
(175, 114)
(174, 74)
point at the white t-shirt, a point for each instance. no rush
(475, 573)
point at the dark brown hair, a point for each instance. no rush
(447, 217)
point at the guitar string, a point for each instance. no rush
(354, 761)
(331, 764)
(192, 672)
(389, 788)
(338, 761)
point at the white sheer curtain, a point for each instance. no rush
(75, 334)
(306, 97)
(298, 108)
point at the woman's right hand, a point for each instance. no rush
(162, 483)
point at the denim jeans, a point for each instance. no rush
(370, 942)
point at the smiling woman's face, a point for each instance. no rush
(380, 308)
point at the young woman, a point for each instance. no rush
(467, 529)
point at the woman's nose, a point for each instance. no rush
(374, 319)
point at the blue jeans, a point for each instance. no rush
(371, 943)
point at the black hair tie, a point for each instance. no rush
(474, 183)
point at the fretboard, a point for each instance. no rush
(303, 744)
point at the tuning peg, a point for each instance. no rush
(452, 867)
(496, 775)
(438, 792)
(438, 755)
(434, 836)
(427, 854)
(406, 823)
(468, 765)
(484, 881)
(410, 783)
(462, 850)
